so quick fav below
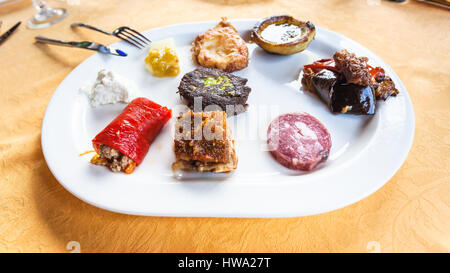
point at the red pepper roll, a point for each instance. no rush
(134, 129)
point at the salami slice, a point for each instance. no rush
(298, 141)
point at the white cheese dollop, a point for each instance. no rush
(110, 88)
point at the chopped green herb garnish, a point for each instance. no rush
(224, 82)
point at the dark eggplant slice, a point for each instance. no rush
(343, 97)
(352, 98)
(323, 82)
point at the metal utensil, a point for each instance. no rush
(85, 45)
(127, 34)
(9, 32)
(441, 3)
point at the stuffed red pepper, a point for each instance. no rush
(123, 144)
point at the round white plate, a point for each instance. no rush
(366, 151)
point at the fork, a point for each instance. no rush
(127, 34)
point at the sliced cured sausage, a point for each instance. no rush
(298, 141)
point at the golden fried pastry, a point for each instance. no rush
(221, 47)
(203, 143)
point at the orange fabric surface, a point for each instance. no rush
(410, 213)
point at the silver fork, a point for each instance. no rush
(127, 34)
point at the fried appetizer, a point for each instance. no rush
(214, 87)
(221, 47)
(354, 68)
(203, 143)
(384, 86)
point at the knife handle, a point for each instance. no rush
(9, 32)
(90, 27)
(56, 42)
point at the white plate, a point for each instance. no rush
(366, 151)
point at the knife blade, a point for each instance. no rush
(84, 45)
(9, 32)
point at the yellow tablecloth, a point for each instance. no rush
(410, 213)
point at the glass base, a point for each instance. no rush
(47, 17)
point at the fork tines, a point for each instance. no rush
(132, 37)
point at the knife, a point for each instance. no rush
(8, 33)
(442, 3)
(85, 45)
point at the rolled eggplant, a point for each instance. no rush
(343, 97)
